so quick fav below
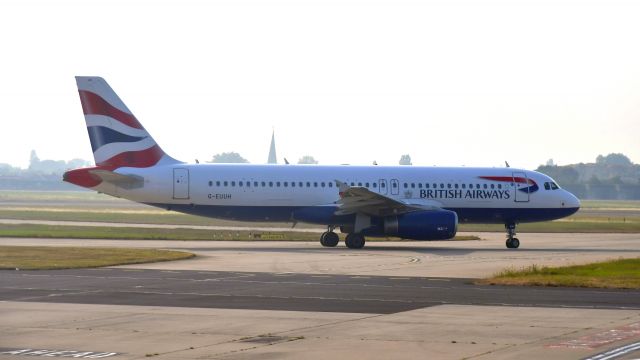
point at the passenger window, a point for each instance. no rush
(225, 183)
(255, 184)
(300, 184)
(382, 185)
(233, 183)
(366, 185)
(322, 184)
(554, 186)
(210, 183)
(455, 186)
(353, 184)
(293, 184)
(448, 186)
(441, 186)
(315, 184)
(217, 183)
(499, 186)
(484, 186)
(270, 183)
(426, 186)
(263, 184)
(240, 183)
(248, 183)
(394, 184)
(477, 186)
(375, 185)
(419, 185)
(492, 186)
(406, 185)
(286, 184)
(359, 184)
(464, 186)
(308, 184)
(330, 184)
(278, 183)
(413, 185)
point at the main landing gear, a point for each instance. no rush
(512, 242)
(354, 241)
(331, 239)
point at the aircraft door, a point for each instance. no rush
(521, 186)
(382, 186)
(395, 187)
(180, 183)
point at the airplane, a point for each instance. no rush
(409, 202)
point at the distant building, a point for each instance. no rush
(273, 159)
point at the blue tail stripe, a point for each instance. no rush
(100, 136)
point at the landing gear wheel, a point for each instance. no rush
(354, 241)
(329, 239)
(512, 242)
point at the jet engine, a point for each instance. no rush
(422, 225)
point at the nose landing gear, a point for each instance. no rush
(512, 242)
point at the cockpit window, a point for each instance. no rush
(554, 186)
(547, 186)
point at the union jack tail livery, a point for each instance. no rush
(117, 137)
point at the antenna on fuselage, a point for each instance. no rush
(506, 163)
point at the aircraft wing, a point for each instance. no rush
(361, 200)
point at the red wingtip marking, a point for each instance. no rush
(82, 177)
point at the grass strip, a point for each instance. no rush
(49, 257)
(575, 224)
(133, 233)
(615, 274)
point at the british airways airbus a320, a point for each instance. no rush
(410, 202)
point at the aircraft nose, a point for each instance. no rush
(571, 201)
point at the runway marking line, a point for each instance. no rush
(602, 338)
(615, 353)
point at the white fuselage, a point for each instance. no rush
(253, 192)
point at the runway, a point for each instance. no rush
(288, 291)
(292, 300)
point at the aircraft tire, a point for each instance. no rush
(513, 243)
(329, 239)
(354, 241)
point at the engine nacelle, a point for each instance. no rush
(423, 225)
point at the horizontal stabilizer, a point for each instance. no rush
(120, 180)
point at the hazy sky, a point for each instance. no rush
(450, 82)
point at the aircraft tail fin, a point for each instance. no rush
(117, 137)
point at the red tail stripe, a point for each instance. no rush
(141, 159)
(94, 104)
(144, 158)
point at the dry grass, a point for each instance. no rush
(45, 257)
(618, 274)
